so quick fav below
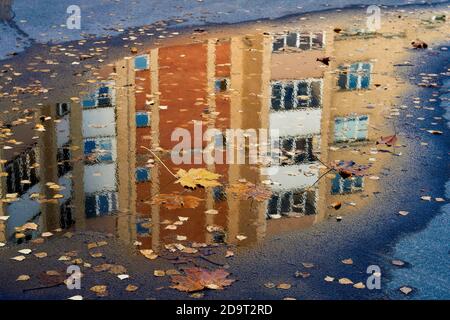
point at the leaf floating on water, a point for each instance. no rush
(347, 261)
(403, 213)
(176, 201)
(345, 281)
(329, 279)
(241, 237)
(426, 198)
(307, 265)
(149, 254)
(284, 286)
(406, 290)
(248, 190)
(25, 251)
(197, 279)
(388, 141)
(46, 234)
(76, 298)
(398, 263)
(159, 273)
(18, 258)
(40, 255)
(359, 285)
(270, 285)
(336, 205)
(23, 277)
(197, 177)
(123, 276)
(131, 288)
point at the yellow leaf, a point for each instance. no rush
(197, 177)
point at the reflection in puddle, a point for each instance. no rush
(81, 163)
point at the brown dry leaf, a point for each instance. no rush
(131, 288)
(172, 272)
(197, 279)
(176, 201)
(96, 255)
(149, 254)
(270, 285)
(336, 205)
(406, 290)
(284, 286)
(159, 273)
(197, 177)
(40, 255)
(359, 285)
(345, 281)
(23, 277)
(347, 261)
(101, 290)
(389, 140)
(248, 190)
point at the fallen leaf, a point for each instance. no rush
(304, 275)
(270, 285)
(359, 285)
(23, 277)
(40, 255)
(25, 251)
(336, 205)
(100, 290)
(123, 276)
(212, 212)
(248, 190)
(18, 258)
(76, 298)
(197, 177)
(149, 254)
(284, 286)
(241, 237)
(196, 279)
(398, 263)
(308, 265)
(389, 140)
(406, 290)
(345, 281)
(403, 213)
(329, 279)
(347, 261)
(176, 201)
(131, 288)
(159, 273)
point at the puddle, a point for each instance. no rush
(79, 163)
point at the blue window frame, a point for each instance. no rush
(101, 148)
(353, 128)
(142, 62)
(340, 185)
(142, 174)
(142, 119)
(356, 76)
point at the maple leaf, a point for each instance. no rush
(197, 177)
(389, 140)
(176, 201)
(197, 279)
(249, 190)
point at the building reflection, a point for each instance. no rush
(83, 165)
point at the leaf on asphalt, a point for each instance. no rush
(100, 290)
(197, 279)
(176, 201)
(197, 177)
(248, 190)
